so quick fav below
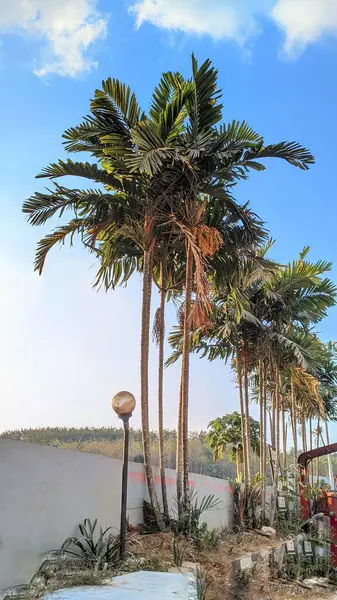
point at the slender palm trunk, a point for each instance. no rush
(277, 442)
(332, 484)
(317, 445)
(264, 484)
(284, 437)
(243, 420)
(247, 419)
(185, 367)
(238, 458)
(311, 447)
(294, 428)
(304, 435)
(261, 416)
(144, 379)
(179, 455)
(160, 397)
(273, 419)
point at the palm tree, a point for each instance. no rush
(160, 174)
(210, 159)
(120, 224)
(238, 267)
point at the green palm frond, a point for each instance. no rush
(80, 169)
(170, 84)
(116, 99)
(203, 108)
(58, 236)
(42, 206)
(241, 132)
(292, 152)
(83, 138)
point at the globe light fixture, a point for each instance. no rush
(124, 404)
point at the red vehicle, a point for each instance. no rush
(329, 501)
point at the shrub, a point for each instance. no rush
(99, 551)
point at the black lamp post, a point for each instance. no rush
(124, 404)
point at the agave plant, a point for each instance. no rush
(99, 551)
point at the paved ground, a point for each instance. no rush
(134, 586)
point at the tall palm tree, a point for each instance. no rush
(160, 173)
(120, 224)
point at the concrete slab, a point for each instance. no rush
(143, 585)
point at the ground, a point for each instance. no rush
(217, 566)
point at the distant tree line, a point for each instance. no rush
(109, 441)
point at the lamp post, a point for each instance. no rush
(124, 404)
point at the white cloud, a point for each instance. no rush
(303, 21)
(64, 28)
(234, 19)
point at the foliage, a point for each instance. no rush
(99, 551)
(205, 538)
(178, 552)
(187, 521)
(226, 430)
(162, 184)
(248, 503)
(201, 583)
(109, 441)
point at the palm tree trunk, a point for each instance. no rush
(243, 419)
(332, 484)
(284, 438)
(179, 455)
(264, 484)
(277, 442)
(160, 395)
(273, 420)
(239, 459)
(144, 383)
(304, 435)
(185, 367)
(247, 419)
(294, 428)
(311, 447)
(317, 444)
(261, 416)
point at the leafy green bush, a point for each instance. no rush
(188, 521)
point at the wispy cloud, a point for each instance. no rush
(218, 18)
(64, 30)
(303, 21)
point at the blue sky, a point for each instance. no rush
(65, 349)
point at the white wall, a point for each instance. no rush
(45, 492)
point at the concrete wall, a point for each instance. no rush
(45, 492)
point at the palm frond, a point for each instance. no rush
(58, 236)
(79, 169)
(203, 108)
(292, 152)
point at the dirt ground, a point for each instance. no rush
(217, 566)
